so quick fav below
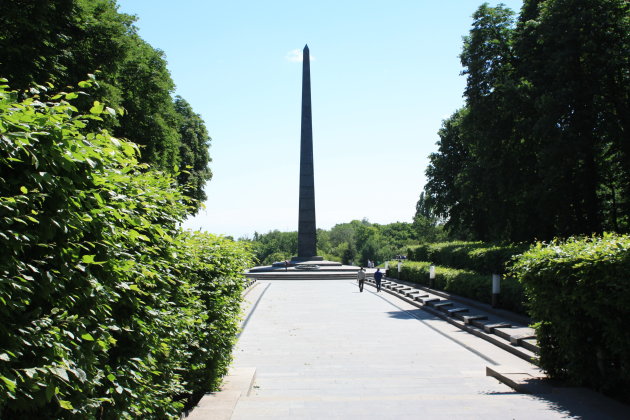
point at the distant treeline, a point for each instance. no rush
(350, 243)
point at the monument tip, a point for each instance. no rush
(306, 47)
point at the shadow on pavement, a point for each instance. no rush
(580, 403)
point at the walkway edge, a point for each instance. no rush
(220, 405)
(526, 382)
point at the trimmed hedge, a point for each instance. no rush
(464, 283)
(107, 309)
(481, 257)
(579, 290)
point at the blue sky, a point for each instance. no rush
(384, 74)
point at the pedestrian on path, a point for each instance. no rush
(378, 276)
(361, 278)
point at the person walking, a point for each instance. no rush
(378, 276)
(361, 278)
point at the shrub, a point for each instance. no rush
(105, 303)
(463, 283)
(579, 291)
(212, 267)
(485, 258)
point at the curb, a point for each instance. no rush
(532, 381)
(220, 405)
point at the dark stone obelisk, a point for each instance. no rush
(307, 235)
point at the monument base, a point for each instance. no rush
(298, 260)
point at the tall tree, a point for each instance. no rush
(541, 148)
(577, 64)
(444, 176)
(63, 41)
(193, 153)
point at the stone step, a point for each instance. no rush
(490, 328)
(440, 304)
(455, 311)
(518, 340)
(427, 299)
(468, 319)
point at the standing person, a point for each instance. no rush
(286, 265)
(361, 278)
(377, 279)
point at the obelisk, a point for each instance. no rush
(307, 234)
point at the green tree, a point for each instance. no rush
(193, 153)
(445, 175)
(274, 246)
(577, 67)
(61, 42)
(541, 147)
(349, 254)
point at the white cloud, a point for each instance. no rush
(295, 56)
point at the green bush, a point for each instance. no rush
(107, 309)
(212, 267)
(486, 258)
(465, 283)
(579, 292)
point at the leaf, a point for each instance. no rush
(59, 373)
(97, 108)
(71, 95)
(87, 337)
(50, 391)
(66, 405)
(10, 384)
(24, 190)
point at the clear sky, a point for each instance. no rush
(384, 74)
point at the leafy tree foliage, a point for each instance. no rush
(274, 246)
(541, 147)
(426, 224)
(108, 309)
(193, 151)
(350, 243)
(61, 42)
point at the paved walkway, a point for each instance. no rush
(322, 350)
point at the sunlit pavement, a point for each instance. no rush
(322, 350)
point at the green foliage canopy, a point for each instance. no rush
(105, 305)
(541, 148)
(61, 42)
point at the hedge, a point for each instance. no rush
(579, 290)
(485, 258)
(464, 283)
(107, 309)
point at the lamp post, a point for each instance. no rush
(496, 289)
(432, 276)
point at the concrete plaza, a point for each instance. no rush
(322, 350)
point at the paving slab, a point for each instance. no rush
(322, 350)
